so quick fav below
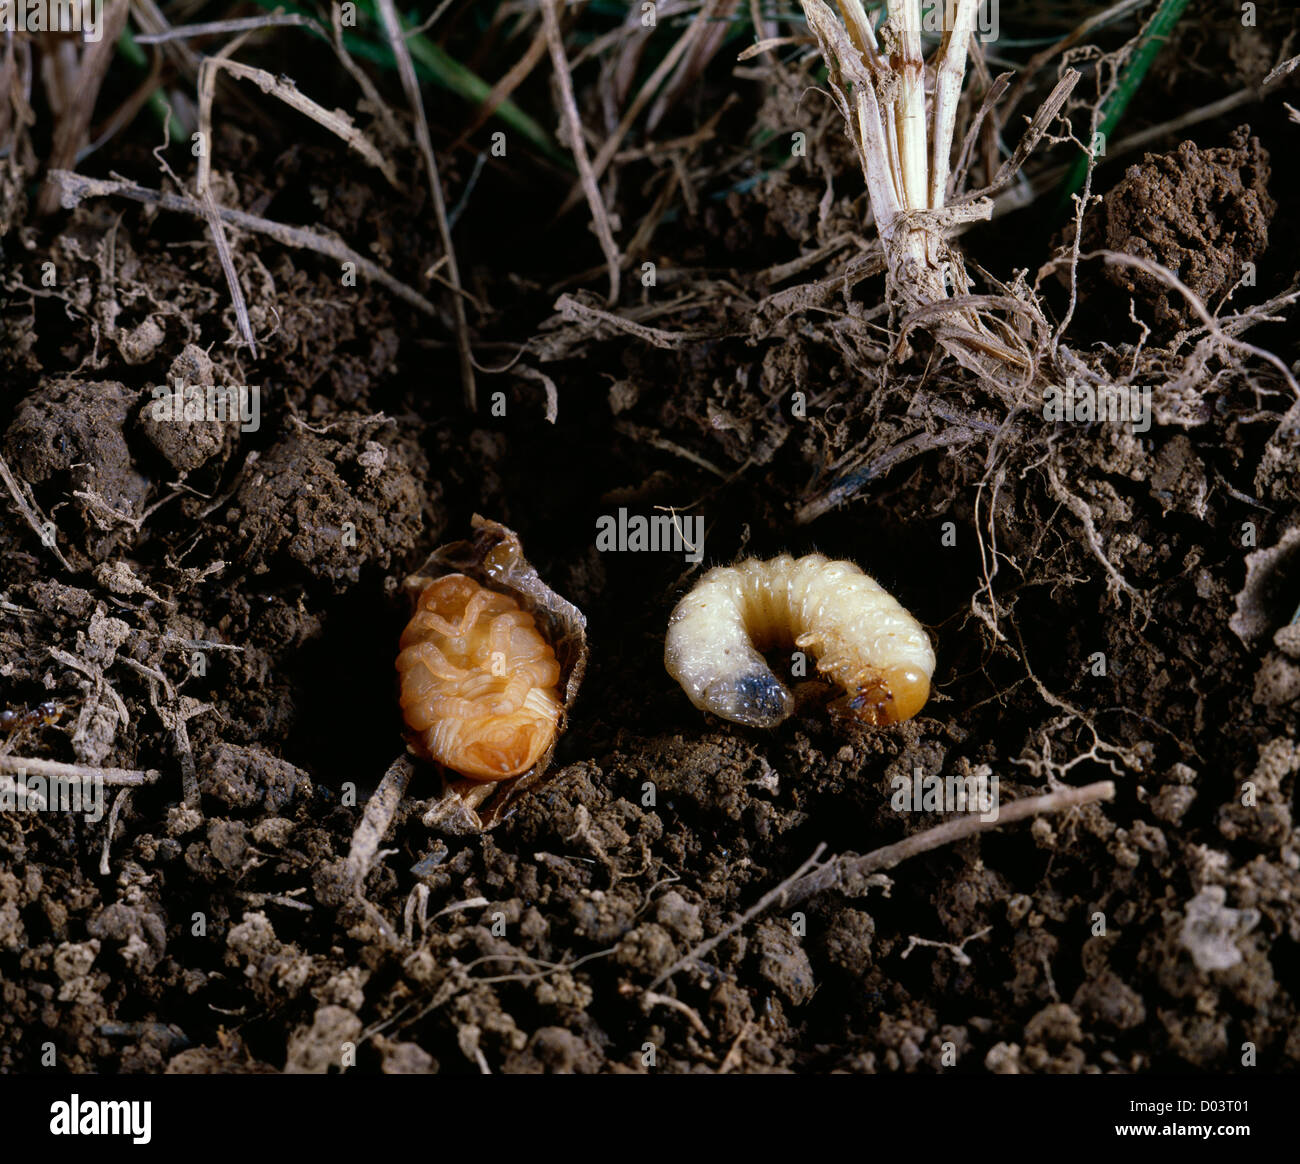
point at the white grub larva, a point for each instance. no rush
(862, 639)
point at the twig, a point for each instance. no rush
(837, 870)
(336, 121)
(113, 813)
(1152, 38)
(772, 42)
(850, 484)
(735, 1057)
(30, 513)
(1036, 62)
(150, 19)
(954, 948)
(687, 74)
(75, 188)
(258, 899)
(812, 877)
(380, 810)
(573, 125)
(650, 999)
(1144, 137)
(364, 83)
(1166, 276)
(548, 385)
(247, 24)
(504, 88)
(128, 777)
(1052, 176)
(202, 186)
(752, 912)
(460, 906)
(574, 311)
(406, 70)
(651, 86)
(947, 93)
(651, 437)
(175, 714)
(73, 124)
(1046, 114)
(1083, 511)
(992, 96)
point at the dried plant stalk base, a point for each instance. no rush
(877, 80)
(494, 558)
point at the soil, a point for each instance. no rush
(223, 606)
(1203, 214)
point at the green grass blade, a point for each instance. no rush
(434, 64)
(1151, 41)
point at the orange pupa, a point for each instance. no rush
(479, 682)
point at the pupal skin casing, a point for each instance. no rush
(862, 638)
(494, 560)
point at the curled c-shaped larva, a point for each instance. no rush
(478, 681)
(862, 638)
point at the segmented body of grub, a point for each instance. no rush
(863, 640)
